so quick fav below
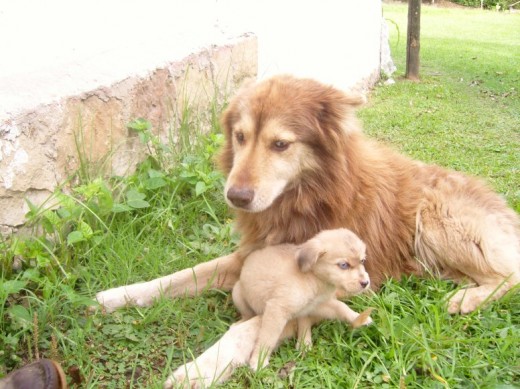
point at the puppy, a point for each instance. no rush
(287, 282)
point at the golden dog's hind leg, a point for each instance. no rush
(222, 273)
(457, 236)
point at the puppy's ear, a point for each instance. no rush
(308, 254)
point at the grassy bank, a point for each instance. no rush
(464, 114)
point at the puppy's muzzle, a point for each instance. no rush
(240, 197)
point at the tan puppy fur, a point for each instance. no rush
(287, 282)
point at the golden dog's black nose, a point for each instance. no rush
(240, 197)
(364, 284)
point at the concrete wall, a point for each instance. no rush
(335, 41)
(90, 68)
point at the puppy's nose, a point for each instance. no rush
(364, 284)
(240, 197)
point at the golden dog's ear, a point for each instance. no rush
(232, 112)
(308, 254)
(336, 98)
(337, 110)
(229, 117)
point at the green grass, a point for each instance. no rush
(464, 114)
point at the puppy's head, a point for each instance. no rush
(276, 131)
(336, 257)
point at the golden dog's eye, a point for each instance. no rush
(280, 145)
(240, 137)
(343, 265)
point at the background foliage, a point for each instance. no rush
(489, 4)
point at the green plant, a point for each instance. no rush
(101, 218)
(488, 4)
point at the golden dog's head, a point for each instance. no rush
(336, 257)
(276, 132)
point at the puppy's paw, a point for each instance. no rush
(258, 361)
(363, 319)
(304, 344)
(253, 363)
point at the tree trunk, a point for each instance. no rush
(413, 40)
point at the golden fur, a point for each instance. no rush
(412, 216)
(287, 282)
(297, 163)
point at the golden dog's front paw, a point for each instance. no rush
(188, 376)
(177, 381)
(463, 302)
(469, 299)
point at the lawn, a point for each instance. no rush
(464, 114)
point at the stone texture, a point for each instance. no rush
(72, 83)
(40, 148)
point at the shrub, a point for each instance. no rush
(488, 4)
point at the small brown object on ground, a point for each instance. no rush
(42, 374)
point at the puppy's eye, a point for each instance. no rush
(239, 136)
(280, 145)
(343, 265)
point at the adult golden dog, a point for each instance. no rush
(297, 163)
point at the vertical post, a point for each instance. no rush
(413, 40)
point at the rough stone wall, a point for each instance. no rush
(39, 148)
